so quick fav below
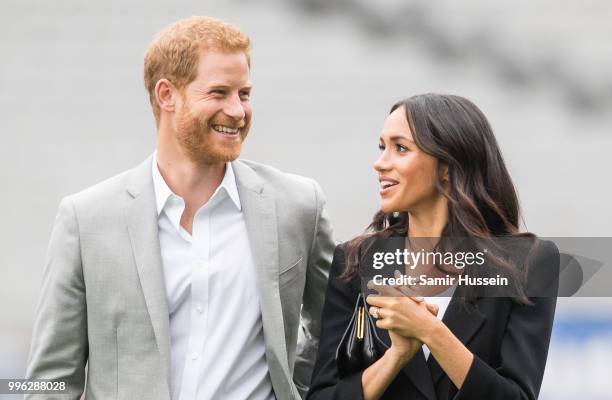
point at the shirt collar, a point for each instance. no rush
(163, 192)
(229, 184)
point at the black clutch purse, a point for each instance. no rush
(359, 346)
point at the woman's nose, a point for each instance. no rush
(382, 164)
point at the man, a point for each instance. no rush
(185, 277)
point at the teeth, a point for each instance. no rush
(386, 184)
(225, 129)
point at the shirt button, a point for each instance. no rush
(199, 308)
(194, 356)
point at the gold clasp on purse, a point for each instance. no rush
(360, 323)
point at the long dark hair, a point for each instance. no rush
(482, 201)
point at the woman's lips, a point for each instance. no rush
(385, 191)
(387, 185)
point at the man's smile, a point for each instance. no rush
(226, 129)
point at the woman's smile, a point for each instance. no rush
(387, 185)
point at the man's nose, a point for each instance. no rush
(234, 108)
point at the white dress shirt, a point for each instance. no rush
(216, 336)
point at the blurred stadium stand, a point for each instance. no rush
(74, 112)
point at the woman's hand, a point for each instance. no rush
(377, 377)
(403, 347)
(400, 309)
(409, 318)
(404, 316)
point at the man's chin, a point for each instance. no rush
(215, 156)
(229, 154)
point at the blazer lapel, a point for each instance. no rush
(143, 231)
(260, 218)
(464, 320)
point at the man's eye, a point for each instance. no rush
(218, 91)
(245, 95)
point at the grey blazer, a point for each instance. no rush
(103, 301)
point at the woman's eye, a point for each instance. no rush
(401, 149)
(381, 147)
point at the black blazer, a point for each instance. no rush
(509, 342)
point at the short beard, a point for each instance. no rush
(198, 144)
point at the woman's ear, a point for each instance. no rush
(444, 173)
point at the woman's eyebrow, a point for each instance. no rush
(395, 138)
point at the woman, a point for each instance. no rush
(442, 176)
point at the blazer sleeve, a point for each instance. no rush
(319, 260)
(339, 304)
(59, 348)
(524, 347)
